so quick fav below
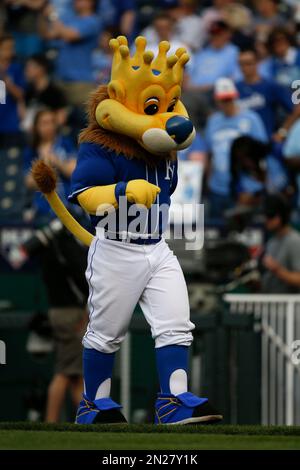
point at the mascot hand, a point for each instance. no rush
(142, 192)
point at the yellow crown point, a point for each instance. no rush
(148, 57)
(124, 51)
(180, 51)
(171, 61)
(114, 45)
(179, 66)
(160, 61)
(142, 69)
(140, 47)
(122, 40)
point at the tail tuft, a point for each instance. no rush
(44, 176)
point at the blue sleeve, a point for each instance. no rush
(282, 96)
(94, 168)
(87, 27)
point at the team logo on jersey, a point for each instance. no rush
(169, 170)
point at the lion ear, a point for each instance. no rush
(116, 91)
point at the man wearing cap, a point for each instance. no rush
(223, 127)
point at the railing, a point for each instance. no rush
(278, 318)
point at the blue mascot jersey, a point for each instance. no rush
(99, 166)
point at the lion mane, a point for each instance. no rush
(121, 144)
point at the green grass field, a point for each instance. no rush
(28, 436)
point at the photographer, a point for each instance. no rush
(63, 263)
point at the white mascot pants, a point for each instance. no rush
(122, 274)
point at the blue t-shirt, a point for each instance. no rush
(283, 72)
(220, 132)
(198, 145)
(210, 64)
(98, 166)
(9, 117)
(265, 97)
(74, 61)
(64, 150)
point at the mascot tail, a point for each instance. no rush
(46, 180)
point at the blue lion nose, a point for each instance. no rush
(179, 128)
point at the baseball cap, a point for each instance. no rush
(225, 89)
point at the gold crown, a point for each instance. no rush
(143, 68)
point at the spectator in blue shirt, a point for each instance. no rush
(58, 151)
(76, 35)
(222, 129)
(284, 64)
(118, 14)
(264, 96)
(218, 59)
(12, 75)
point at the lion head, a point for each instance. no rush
(141, 103)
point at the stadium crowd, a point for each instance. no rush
(241, 89)
(53, 53)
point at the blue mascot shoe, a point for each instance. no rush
(104, 411)
(185, 408)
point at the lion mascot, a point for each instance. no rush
(126, 172)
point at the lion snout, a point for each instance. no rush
(178, 134)
(179, 128)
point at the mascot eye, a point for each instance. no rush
(172, 106)
(151, 106)
(151, 109)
